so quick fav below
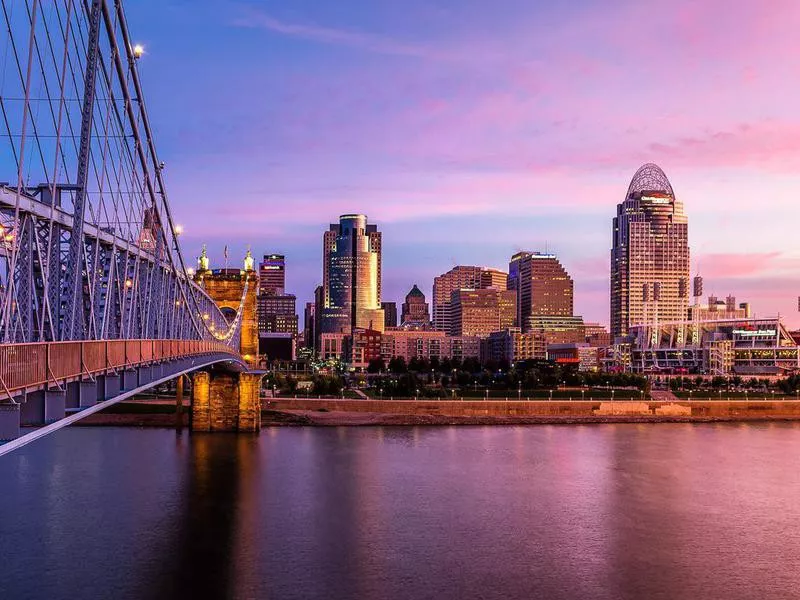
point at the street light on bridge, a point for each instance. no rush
(138, 51)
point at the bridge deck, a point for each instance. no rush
(26, 367)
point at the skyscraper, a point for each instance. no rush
(272, 274)
(351, 277)
(389, 314)
(277, 313)
(415, 309)
(458, 278)
(309, 325)
(543, 287)
(649, 254)
(480, 312)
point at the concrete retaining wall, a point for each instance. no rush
(476, 408)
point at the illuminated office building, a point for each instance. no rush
(351, 286)
(649, 254)
(480, 312)
(272, 274)
(462, 278)
(543, 286)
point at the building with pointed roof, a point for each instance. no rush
(415, 311)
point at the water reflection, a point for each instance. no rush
(612, 511)
(199, 560)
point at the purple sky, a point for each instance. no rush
(468, 130)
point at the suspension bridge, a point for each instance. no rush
(96, 301)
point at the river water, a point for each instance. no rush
(592, 511)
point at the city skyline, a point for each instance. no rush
(551, 144)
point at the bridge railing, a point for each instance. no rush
(24, 366)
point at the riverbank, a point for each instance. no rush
(339, 413)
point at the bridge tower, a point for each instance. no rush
(235, 292)
(230, 401)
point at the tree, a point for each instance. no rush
(418, 364)
(376, 365)
(398, 365)
(471, 365)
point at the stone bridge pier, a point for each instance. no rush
(226, 401)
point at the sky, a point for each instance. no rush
(468, 130)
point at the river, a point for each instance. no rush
(579, 511)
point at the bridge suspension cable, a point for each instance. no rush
(88, 242)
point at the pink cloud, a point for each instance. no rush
(737, 265)
(255, 18)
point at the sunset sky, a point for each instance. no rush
(468, 130)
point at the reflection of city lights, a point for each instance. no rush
(138, 50)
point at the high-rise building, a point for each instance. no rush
(415, 309)
(272, 274)
(480, 312)
(597, 335)
(460, 278)
(649, 254)
(310, 324)
(557, 329)
(512, 345)
(543, 286)
(351, 277)
(418, 343)
(389, 314)
(277, 313)
(319, 302)
(277, 310)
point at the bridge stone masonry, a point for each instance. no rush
(226, 402)
(235, 292)
(230, 401)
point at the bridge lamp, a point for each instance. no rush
(178, 229)
(138, 50)
(190, 272)
(128, 283)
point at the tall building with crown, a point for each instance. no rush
(649, 254)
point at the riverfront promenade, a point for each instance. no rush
(283, 411)
(547, 410)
